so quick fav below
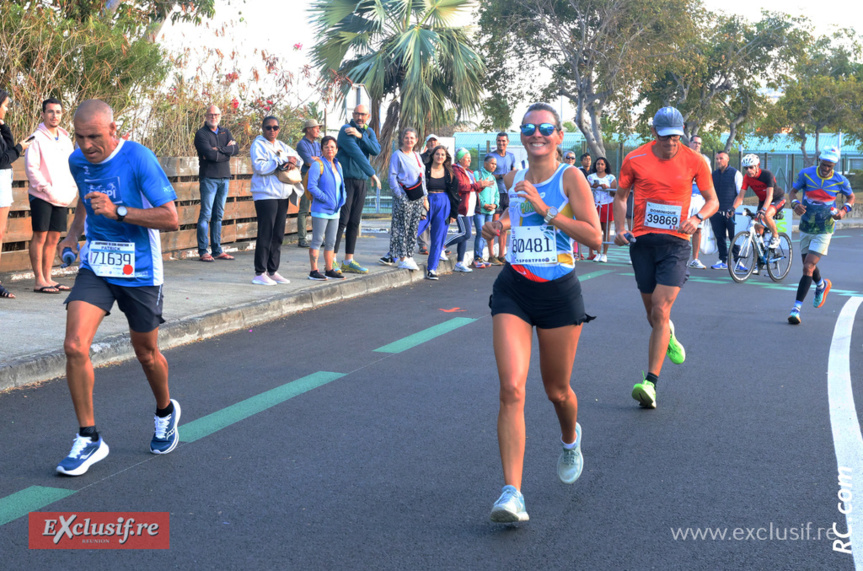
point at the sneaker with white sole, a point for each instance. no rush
(774, 242)
(334, 274)
(278, 278)
(443, 257)
(645, 393)
(387, 260)
(696, 263)
(460, 267)
(603, 258)
(351, 266)
(570, 463)
(84, 454)
(719, 266)
(431, 275)
(317, 276)
(409, 264)
(509, 507)
(264, 280)
(166, 437)
(675, 352)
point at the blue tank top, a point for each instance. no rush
(537, 250)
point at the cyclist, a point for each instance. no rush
(771, 198)
(661, 174)
(817, 210)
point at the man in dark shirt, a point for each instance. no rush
(585, 164)
(308, 148)
(215, 146)
(727, 182)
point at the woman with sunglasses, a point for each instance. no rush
(604, 186)
(442, 188)
(9, 153)
(271, 200)
(550, 207)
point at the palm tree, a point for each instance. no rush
(407, 52)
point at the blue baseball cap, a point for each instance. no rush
(668, 121)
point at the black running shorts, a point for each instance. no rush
(660, 259)
(141, 305)
(45, 217)
(545, 305)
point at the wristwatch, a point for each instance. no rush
(122, 211)
(700, 217)
(552, 212)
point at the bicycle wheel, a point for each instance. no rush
(779, 259)
(742, 257)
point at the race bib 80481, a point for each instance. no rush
(534, 245)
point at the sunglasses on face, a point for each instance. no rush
(271, 127)
(545, 129)
(668, 137)
(569, 158)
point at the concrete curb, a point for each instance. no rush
(49, 365)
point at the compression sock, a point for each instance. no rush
(816, 277)
(89, 431)
(163, 412)
(652, 378)
(803, 288)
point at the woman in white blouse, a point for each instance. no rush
(604, 185)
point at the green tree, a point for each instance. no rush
(717, 77)
(594, 51)
(408, 53)
(824, 93)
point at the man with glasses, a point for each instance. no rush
(215, 146)
(695, 205)
(727, 182)
(569, 158)
(356, 143)
(817, 210)
(309, 149)
(771, 198)
(661, 173)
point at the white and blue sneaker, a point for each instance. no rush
(509, 507)
(570, 463)
(720, 265)
(166, 436)
(84, 454)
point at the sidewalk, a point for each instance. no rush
(202, 300)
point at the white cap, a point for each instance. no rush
(430, 137)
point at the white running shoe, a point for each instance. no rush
(696, 263)
(603, 258)
(278, 278)
(412, 265)
(509, 507)
(571, 462)
(460, 267)
(264, 280)
(443, 257)
(774, 242)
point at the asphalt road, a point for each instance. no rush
(392, 462)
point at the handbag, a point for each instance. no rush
(415, 191)
(289, 174)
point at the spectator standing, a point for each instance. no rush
(442, 190)
(52, 190)
(309, 149)
(326, 184)
(468, 190)
(9, 153)
(125, 199)
(215, 146)
(271, 200)
(604, 185)
(585, 164)
(356, 144)
(423, 238)
(727, 181)
(505, 163)
(569, 158)
(406, 171)
(487, 202)
(695, 205)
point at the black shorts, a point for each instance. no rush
(660, 259)
(504, 203)
(777, 204)
(45, 217)
(545, 305)
(142, 305)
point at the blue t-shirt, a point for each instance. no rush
(819, 196)
(504, 165)
(131, 177)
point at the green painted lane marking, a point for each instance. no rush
(220, 419)
(421, 337)
(594, 275)
(29, 499)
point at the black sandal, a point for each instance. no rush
(6, 293)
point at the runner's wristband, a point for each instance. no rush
(847, 208)
(795, 202)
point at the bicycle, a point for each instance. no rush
(750, 253)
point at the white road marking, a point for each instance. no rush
(847, 439)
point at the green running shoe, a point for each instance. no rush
(675, 352)
(645, 393)
(352, 267)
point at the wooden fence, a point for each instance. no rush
(239, 225)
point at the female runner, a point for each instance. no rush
(550, 206)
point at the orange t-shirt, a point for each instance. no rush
(662, 188)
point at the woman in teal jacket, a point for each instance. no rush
(327, 187)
